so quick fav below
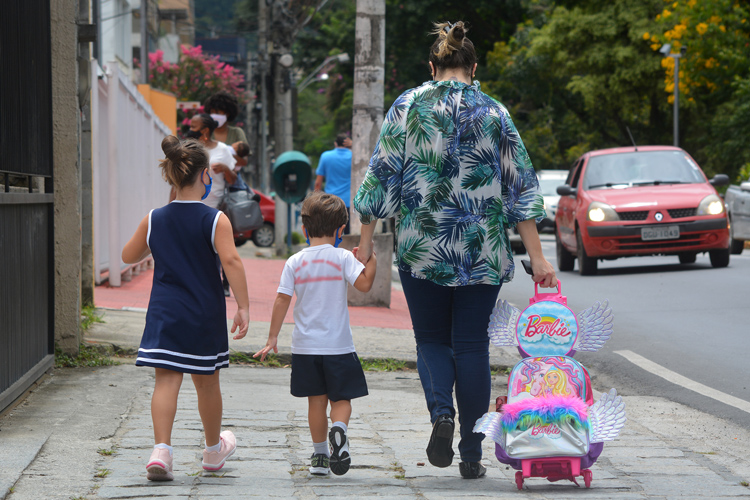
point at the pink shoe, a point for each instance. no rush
(159, 466)
(214, 460)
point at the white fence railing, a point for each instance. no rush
(127, 183)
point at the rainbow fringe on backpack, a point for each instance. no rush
(542, 411)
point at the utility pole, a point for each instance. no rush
(263, 167)
(144, 41)
(369, 75)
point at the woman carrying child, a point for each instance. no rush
(186, 329)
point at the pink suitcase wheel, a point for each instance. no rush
(587, 478)
(519, 480)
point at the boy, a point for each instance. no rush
(325, 367)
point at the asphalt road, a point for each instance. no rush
(689, 322)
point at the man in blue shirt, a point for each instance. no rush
(335, 167)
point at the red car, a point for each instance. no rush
(649, 200)
(263, 236)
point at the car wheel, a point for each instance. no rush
(264, 235)
(687, 257)
(586, 264)
(719, 258)
(735, 246)
(565, 260)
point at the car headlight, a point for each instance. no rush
(599, 212)
(711, 205)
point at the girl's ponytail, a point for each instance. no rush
(185, 161)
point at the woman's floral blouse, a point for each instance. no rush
(451, 168)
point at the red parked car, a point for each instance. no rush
(263, 236)
(649, 200)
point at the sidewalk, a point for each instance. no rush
(86, 433)
(49, 444)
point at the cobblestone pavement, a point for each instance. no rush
(665, 451)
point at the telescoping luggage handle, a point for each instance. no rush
(552, 296)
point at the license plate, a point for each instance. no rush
(660, 233)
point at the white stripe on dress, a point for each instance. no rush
(181, 355)
(180, 365)
(148, 234)
(213, 231)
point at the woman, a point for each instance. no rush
(224, 108)
(452, 168)
(221, 160)
(220, 156)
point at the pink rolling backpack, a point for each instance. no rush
(548, 425)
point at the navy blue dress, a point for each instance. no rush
(186, 326)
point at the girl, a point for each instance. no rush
(186, 321)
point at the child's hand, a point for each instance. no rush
(241, 321)
(357, 255)
(270, 344)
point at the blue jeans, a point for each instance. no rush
(450, 327)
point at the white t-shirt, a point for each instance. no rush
(319, 276)
(219, 154)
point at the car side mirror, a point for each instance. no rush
(745, 186)
(719, 180)
(566, 190)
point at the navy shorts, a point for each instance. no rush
(339, 376)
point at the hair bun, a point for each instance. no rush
(458, 32)
(172, 148)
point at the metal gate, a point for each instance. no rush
(26, 199)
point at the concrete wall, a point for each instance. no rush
(380, 294)
(65, 151)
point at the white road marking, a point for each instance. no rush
(685, 382)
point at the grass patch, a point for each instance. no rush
(383, 365)
(242, 358)
(744, 483)
(399, 470)
(193, 474)
(88, 356)
(89, 316)
(106, 453)
(103, 473)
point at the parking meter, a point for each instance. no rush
(291, 178)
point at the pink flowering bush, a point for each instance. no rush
(196, 76)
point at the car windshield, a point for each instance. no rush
(549, 186)
(641, 169)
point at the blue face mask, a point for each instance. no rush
(336, 242)
(208, 188)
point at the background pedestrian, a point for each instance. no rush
(335, 169)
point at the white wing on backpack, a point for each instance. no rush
(594, 327)
(503, 320)
(607, 417)
(490, 424)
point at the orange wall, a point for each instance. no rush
(163, 103)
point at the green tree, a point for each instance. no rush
(714, 77)
(577, 77)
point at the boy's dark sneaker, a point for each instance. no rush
(319, 464)
(340, 459)
(440, 448)
(471, 470)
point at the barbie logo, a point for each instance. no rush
(550, 430)
(537, 327)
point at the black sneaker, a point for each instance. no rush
(340, 459)
(319, 464)
(440, 448)
(471, 470)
